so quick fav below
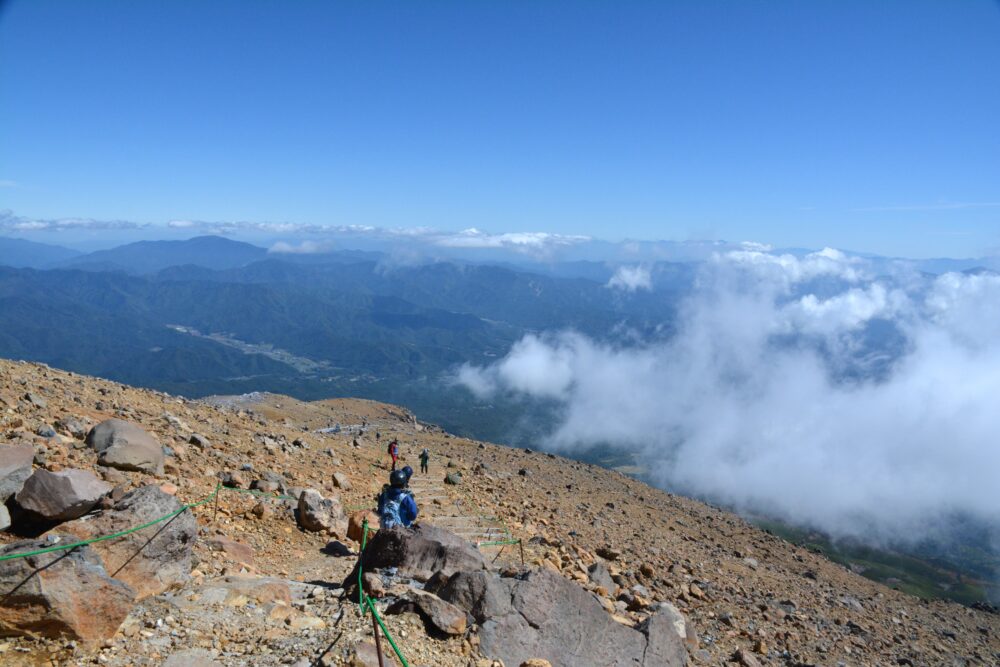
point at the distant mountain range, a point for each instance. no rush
(212, 315)
(22, 253)
(593, 260)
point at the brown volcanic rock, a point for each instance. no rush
(61, 593)
(356, 522)
(150, 560)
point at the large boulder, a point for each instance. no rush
(356, 523)
(443, 616)
(150, 560)
(317, 513)
(15, 468)
(418, 553)
(61, 593)
(123, 445)
(63, 495)
(542, 615)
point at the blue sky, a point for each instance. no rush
(870, 126)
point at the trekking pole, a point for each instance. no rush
(520, 543)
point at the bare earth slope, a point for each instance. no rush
(751, 597)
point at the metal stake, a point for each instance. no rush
(378, 642)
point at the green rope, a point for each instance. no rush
(498, 543)
(385, 631)
(365, 601)
(121, 533)
(508, 535)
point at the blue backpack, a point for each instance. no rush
(391, 509)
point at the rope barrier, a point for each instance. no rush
(365, 601)
(121, 533)
(508, 535)
(499, 543)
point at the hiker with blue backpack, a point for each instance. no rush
(396, 506)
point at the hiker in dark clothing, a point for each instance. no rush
(425, 457)
(396, 506)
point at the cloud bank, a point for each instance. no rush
(803, 388)
(534, 244)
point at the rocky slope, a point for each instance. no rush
(263, 591)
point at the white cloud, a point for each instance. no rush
(303, 248)
(526, 242)
(534, 366)
(846, 311)
(13, 222)
(631, 278)
(750, 404)
(6, 183)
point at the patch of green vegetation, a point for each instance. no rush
(895, 567)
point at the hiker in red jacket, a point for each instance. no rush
(394, 452)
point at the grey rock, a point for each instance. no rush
(600, 575)
(61, 593)
(233, 480)
(482, 594)
(444, 616)
(526, 616)
(418, 552)
(15, 468)
(36, 400)
(639, 589)
(71, 426)
(63, 495)
(317, 513)
(123, 445)
(341, 481)
(4, 518)
(453, 478)
(150, 560)
(264, 486)
(667, 636)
